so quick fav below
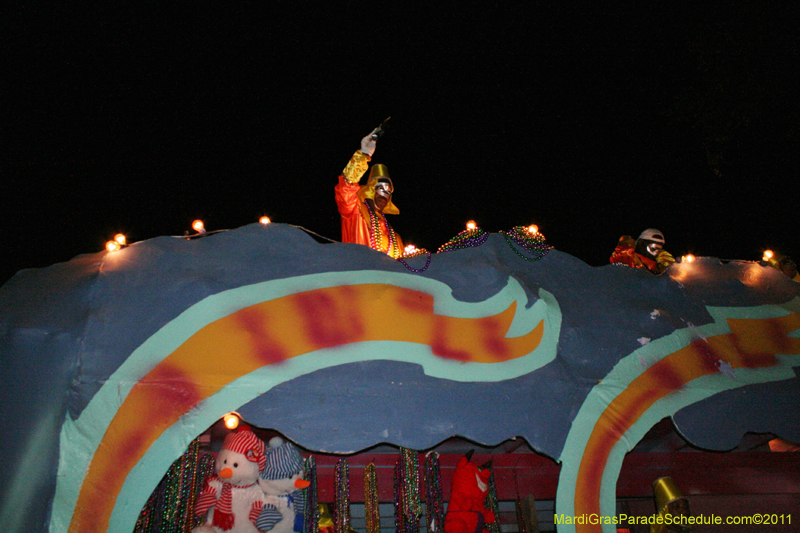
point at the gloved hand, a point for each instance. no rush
(664, 260)
(368, 143)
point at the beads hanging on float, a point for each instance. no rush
(407, 504)
(311, 512)
(529, 238)
(170, 508)
(341, 494)
(469, 238)
(371, 505)
(433, 493)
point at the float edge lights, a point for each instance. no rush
(198, 226)
(264, 220)
(117, 244)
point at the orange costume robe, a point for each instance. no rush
(360, 223)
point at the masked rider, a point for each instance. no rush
(647, 252)
(363, 209)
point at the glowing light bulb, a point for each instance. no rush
(410, 249)
(198, 226)
(113, 246)
(264, 220)
(231, 421)
(768, 254)
(533, 229)
(121, 239)
(471, 225)
(688, 258)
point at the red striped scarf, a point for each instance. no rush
(223, 511)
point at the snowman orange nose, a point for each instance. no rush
(226, 473)
(301, 483)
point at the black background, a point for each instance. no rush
(591, 122)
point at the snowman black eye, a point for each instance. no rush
(224, 461)
(236, 465)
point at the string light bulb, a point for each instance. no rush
(410, 249)
(264, 220)
(118, 243)
(471, 225)
(231, 421)
(533, 229)
(768, 254)
(688, 258)
(198, 226)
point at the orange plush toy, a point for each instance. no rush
(467, 512)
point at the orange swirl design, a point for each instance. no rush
(752, 343)
(269, 333)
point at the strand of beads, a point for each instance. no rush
(521, 526)
(144, 522)
(310, 513)
(341, 508)
(408, 507)
(413, 507)
(205, 469)
(394, 249)
(371, 505)
(375, 233)
(190, 483)
(416, 253)
(374, 229)
(433, 493)
(491, 503)
(528, 238)
(170, 507)
(469, 238)
(399, 517)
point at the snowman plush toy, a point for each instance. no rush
(282, 481)
(232, 496)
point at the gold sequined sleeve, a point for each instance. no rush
(356, 167)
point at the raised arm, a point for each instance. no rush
(347, 188)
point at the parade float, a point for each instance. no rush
(118, 366)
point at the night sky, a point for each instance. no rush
(591, 122)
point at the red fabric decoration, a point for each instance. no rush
(467, 512)
(223, 514)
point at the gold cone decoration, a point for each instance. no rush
(379, 171)
(669, 501)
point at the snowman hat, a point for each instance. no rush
(246, 443)
(283, 460)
